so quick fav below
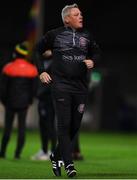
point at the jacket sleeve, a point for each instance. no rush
(94, 52)
(45, 43)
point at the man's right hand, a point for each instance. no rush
(45, 78)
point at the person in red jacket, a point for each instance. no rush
(16, 95)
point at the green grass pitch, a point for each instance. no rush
(106, 156)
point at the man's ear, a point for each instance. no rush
(66, 19)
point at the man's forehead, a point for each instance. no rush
(75, 10)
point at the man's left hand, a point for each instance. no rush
(89, 63)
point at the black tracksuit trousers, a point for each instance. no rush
(9, 118)
(69, 109)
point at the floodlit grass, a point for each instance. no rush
(106, 155)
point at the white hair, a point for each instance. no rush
(66, 10)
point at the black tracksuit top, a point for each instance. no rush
(69, 48)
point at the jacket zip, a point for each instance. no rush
(74, 43)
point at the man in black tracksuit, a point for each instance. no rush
(74, 53)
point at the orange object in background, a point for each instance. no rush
(20, 68)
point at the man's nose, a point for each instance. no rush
(81, 17)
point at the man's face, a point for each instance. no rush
(75, 18)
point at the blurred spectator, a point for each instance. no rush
(46, 114)
(17, 92)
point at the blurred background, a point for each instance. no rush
(112, 102)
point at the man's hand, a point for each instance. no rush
(45, 78)
(89, 63)
(47, 54)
